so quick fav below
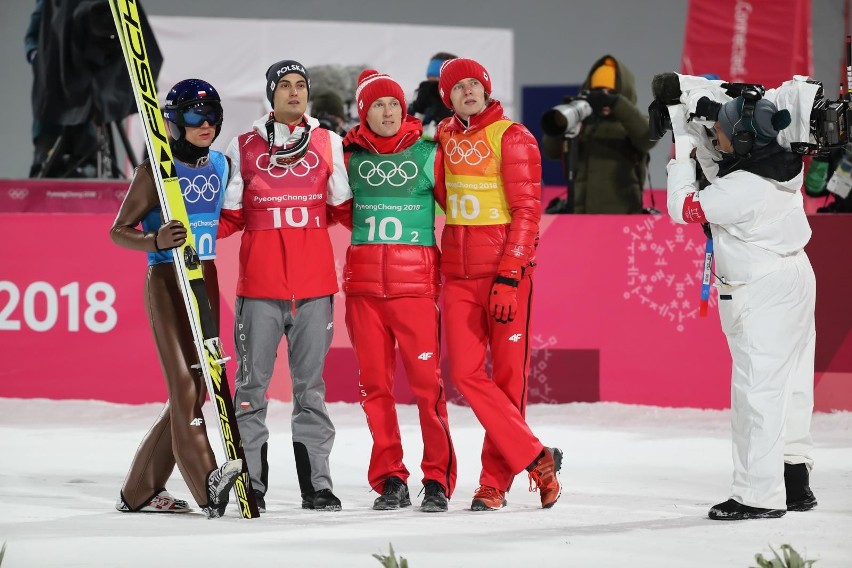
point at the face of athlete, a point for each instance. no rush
(290, 99)
(722, 142)
(468, 97)
(384, 117)
(201, 136)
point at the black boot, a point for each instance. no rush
(394, 495)
(732, 510)
(435, 500)
(260, 499)
(322, 500)
(797, 482)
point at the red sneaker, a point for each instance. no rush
(544, 477)
(488, 499)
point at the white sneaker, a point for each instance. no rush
(162, 502)
(219, 483)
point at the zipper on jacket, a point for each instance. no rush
(464, 251)
(293, 305)
(384, 271)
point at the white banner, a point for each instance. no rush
(233, 55)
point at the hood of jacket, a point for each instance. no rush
(625, 82)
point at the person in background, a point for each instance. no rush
(427, 105)
(492, 175)
(612, 146)
(193, 115)
(767, 297)
(327, 108)
(286, 171)
(392, 281)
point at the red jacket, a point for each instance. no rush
(479, 251)
(287, 263)
(391, 270)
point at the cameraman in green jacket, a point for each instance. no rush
(613, 145)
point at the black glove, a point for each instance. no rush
(170, 235)
(600, 99)
(666, 88)
(707, 109)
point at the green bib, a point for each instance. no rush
(393, 200)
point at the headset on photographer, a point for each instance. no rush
(743, 140)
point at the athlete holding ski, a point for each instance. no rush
(194, 117)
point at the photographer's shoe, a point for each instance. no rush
(394, 495)
(799, 494)
(732, 510)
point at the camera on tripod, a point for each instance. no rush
(567, 118)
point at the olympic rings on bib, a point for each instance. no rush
(388, 172)
(300, 169)
(464, 151)
(200, 187)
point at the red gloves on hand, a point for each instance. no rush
(503, 302)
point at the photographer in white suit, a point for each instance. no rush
(767, 291)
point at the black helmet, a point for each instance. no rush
(191, 102)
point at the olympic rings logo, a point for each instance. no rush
(388, 172)
(200, 187)
(300, 169)
(18, 193)
(464, 151)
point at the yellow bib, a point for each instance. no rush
(472, 165)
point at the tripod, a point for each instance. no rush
(85, 146)
(569, 160)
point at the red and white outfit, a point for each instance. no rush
(493, 180)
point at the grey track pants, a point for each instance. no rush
(259, 327)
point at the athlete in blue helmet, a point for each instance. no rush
(193, 114)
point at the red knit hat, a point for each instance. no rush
(373, 85)
(455, 70)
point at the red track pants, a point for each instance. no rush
(499, 401)
(375, 325)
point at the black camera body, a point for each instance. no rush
(829, 119)
(830, 122)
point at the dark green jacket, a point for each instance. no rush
(613, 152)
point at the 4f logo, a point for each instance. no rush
(197, 422)
(514, 338)
(425, 356)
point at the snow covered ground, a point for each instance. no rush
(638, 483)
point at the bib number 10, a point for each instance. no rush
(41, 305)
(389, 229)
(468, 207)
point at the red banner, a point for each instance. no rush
(753, 41)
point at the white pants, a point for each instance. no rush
(769, 324)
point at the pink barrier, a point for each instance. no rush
(615, 315)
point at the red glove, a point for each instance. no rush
(503, 302)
